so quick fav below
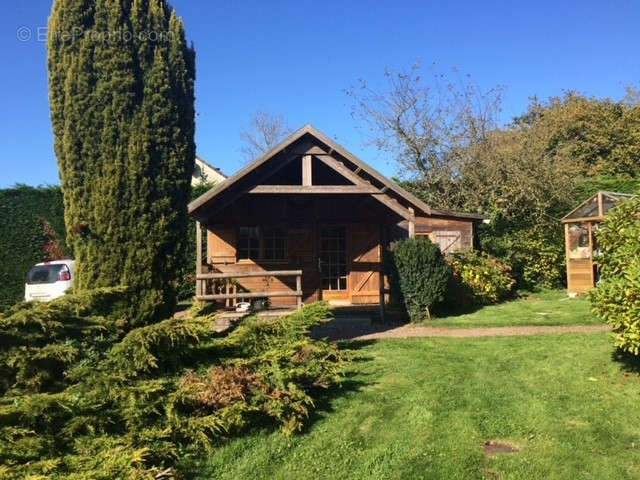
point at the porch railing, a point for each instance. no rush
(202, 278)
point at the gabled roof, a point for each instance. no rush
(595, 207)
(387, 188)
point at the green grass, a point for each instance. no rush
(422, 408)
(552, 307)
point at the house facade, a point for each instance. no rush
(310, 221)
(205, 172)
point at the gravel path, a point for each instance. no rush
(408, 331)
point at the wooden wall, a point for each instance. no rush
(301, 217)
(580, 275)
(433, 224)
(364, 254)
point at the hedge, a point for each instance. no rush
(23, 240)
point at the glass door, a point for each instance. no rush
(332, 262)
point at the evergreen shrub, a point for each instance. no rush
(85, 396)
(418, 275)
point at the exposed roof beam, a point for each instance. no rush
(193, 206)
(320, 189)
(351, 175)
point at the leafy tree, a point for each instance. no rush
(524, 176)
(600, 136)
(122, 105)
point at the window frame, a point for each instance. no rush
(262, 247)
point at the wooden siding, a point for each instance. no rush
(580, 277)
(435, 224)
(366, 256)
(364, 253)
(301, 217)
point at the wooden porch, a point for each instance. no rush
(207, 289)
(213, 285)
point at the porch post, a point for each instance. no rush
(299, 289)
(198, 258)
(412, 223)
(381, 254)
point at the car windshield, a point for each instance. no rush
(44, 274)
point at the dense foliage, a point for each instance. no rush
(418, 275)
(31, 231)
(536, 254)
(486, 279)
(122, 106)
(616, 298)
(84, 397)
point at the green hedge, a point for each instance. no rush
(22, 236)
(23, 240)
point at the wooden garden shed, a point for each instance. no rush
(581, 240)
(310, 221)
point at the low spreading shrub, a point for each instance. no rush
(84, 395)
(418, 275)
(483, 278)
(616, 298)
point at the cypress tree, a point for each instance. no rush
(121, 79)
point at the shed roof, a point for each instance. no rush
(388, 189)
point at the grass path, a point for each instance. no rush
(422, 408)
(408, 331)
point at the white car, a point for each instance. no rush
(49, 280)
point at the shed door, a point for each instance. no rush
(332, 262)
(365, 264)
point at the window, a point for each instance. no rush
(333, 258)
(579, 241)
(41, 274)
(255, 243)
(274, 241)
(249, 243)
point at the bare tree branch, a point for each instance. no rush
(265, 131)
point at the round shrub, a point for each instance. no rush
(486, 279)
(616, 299)
(418, 275)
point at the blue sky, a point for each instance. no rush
(297, 58)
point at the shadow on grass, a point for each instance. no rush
(449, 310)
(193, 464)
(628, 362)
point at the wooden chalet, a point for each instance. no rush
(581, 242)
(309, 221)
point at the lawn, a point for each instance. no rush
(423, 408)
(551, 307)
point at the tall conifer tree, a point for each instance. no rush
(121, 81)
